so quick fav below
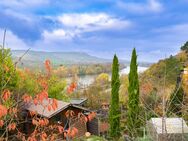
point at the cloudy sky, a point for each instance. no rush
(157, 28)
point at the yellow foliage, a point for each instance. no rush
(102, 78)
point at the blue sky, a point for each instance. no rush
(157, 28)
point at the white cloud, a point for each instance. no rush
(92, 21)
(75, 24)
(140, 8)
(12, 41)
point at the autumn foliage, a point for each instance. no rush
(10, 112)
(71, 88)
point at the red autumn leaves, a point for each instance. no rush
(52, 104)
(3, 111)
(71, 88)
(6, 95)
(71, 132)
(48, 66)
(40, 122)
(12, 126)
(89, 117)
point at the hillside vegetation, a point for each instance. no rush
(165, 72)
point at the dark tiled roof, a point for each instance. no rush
(78, 101)
(42, 109)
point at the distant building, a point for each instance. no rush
(169, 129)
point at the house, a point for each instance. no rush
(56, 116)
(78, 101)
(168, 129)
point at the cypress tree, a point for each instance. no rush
(114, 116)
(133, 121)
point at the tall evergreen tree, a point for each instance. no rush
(114, 115)
(133, 120)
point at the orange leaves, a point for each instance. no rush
(31, 139)
(69, 113)
(52, 138)
(6, 95)
(40, 122)
(41, 96)
(71, 132)
(43, 136)
(82, 117)
(49, 108)
(32, 113)
(43, 122)
(75, 130)
(91, 116)
(34, 122)
(44, 85)
(3, 111)
(12, 126)
(13, 111)
(48, 66)
(46, 121)
(26, 98)
(1, 123)
(54, 104)
(71, 87)
(35, 101)
(87, 118)
(60, 129)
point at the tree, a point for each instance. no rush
(102, 79)
(133, 120)
(114, 115)
(8, 74)
(185, 47)
(12, 119)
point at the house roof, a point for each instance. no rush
(42, 109)
(78, 101)
(173, 125)
(82, 108)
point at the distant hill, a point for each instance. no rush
(35, 59)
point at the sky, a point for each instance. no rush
(156, 28)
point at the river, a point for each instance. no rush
(86, 80)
